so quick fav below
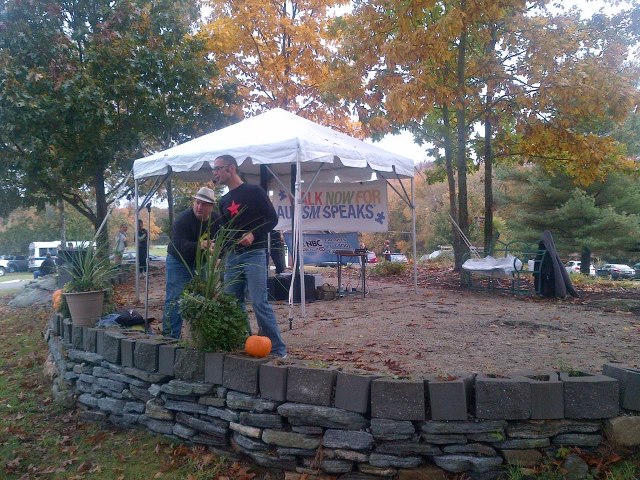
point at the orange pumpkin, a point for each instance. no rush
(56, 299)
(257, 346)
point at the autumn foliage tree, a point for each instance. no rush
(443, 68)
(278, 54)
(580, 85)
(88, 86)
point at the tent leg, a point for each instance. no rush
(135, 239)
(413, 234)
(147, 272)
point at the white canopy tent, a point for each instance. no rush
(290, 148)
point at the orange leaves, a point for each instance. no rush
(237, 471)
(278, 52)
(17, 432)
(221, 38)
(578, 86)
(202, 460)
(379, 124)
(97, 439)
(584, 157)
(396, 367)
(12, 465)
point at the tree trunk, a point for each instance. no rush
(170, 202)
(585, 261)
(488, 186)
(451, 181)
(102, 242)
(461, 137)
(488, 153)
(63, 224)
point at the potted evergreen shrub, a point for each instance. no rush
(91, 272)
(216, 320)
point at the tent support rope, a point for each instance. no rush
(410, 202)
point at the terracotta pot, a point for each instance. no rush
(85, 307)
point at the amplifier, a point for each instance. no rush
(278, 286)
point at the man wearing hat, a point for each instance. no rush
(186, 232)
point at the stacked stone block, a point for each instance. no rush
(313, 420)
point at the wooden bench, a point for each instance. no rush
(518, 268)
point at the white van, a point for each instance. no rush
(38, 251)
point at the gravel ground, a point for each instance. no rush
(444, 329)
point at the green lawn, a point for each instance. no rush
(40, 439)
(160, 250)
(7, 277)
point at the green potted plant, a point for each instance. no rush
(216, 320)
(91, 273)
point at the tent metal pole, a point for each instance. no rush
(264, 183)
(409, 200)
(303, 308)
(413, 236)
(147, 271)
(292, 170)
(158, 182)
(294, 242)
(135, 239)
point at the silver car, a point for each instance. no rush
(616, 271)
(399, 258)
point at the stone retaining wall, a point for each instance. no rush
(314, 420)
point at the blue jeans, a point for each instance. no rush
(247, 271)
(178, 275)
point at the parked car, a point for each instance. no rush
(616, 271)
(441, 252)
(636, 267)
(13, 263)
(18, 263)
(4, 266)
(372, 257)
(130, 258)
(573, 266)
(399, 258)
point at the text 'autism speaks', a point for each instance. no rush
(331, 211)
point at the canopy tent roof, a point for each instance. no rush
(278, 138)
(281, 141)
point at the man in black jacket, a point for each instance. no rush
(47, 267)
(143, 247)
(194, 226)
(277, 251)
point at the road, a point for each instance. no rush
(14, 284)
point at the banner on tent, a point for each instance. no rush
(319, 248)
(339, 207)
